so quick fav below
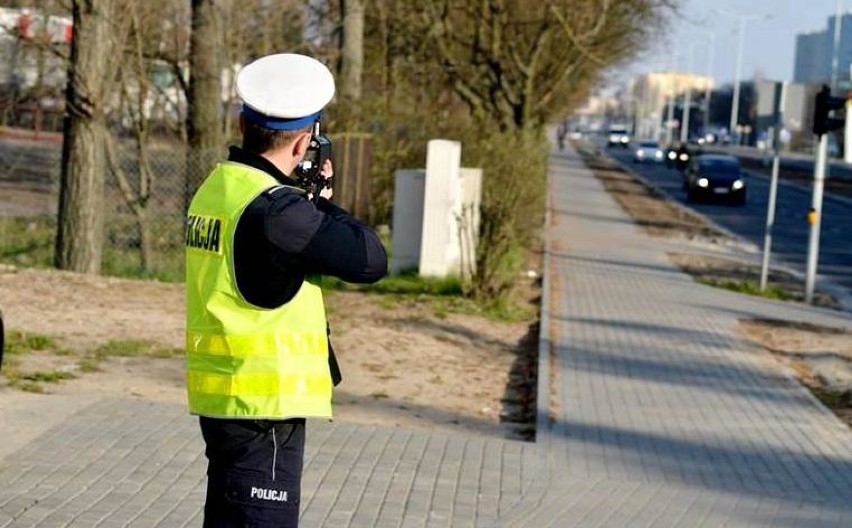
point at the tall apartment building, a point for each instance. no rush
(815, 52)
(810, 63)
(844, 49)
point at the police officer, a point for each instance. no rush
(258, 356)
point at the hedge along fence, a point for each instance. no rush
(144, 201)
(147, 191)
(144, 229)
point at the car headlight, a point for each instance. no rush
(640, 153)
(703, 182)
(684, 157)
(624, 140)
(737, 185)
(658, 154)
(672, 155)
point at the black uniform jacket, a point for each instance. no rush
(281, 237)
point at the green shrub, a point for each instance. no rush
(514, 188)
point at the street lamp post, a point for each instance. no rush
(687, 98)
(711, 55)
(821, 171)
(670, 117)
(670, 100)
(735, 104)
(835, 56)
(709, 88)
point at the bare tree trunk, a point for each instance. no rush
(79, 238)
(204, 118)
(352, 53)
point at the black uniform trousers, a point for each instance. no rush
(254, 472)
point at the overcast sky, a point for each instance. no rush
(769, 44)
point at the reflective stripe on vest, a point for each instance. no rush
(242, 360)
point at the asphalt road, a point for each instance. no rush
(790, 236)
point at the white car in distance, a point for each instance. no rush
(618, 137)
(648, 151)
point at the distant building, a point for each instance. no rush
(810, 63)
(721, 105)
(24, 58)
(653, 92)
(844, 57)
(796, 106)
(815, 53)
(596, 105)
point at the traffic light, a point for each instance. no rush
(825, 104)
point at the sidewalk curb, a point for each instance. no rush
(544, 437)
(543, 433)
(843, 295)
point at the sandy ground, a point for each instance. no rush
(404, 363)
(820, 357)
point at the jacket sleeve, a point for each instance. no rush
(324, 239)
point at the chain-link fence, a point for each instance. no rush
(144, 200)
(146, 193)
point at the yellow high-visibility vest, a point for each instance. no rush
(243, 361)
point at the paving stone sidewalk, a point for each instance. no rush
(125, 463)
(661, 416)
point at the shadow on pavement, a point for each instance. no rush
(733, 467)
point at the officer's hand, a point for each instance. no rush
(327, 172)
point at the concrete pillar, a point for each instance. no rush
(440, 251)
(436, 215)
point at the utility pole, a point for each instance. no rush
(815, 218)
(658, 115)
(735, 105)
(687, 98)
(835, 52)
(670, 117)
(780, 95)
(711, 55)
(670, 101)
(823, 124)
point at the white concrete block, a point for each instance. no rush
(440, 250)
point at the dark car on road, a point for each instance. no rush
(677, 156)
(715, 176)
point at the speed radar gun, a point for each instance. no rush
(308, 172)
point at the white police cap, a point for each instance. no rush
(285, 91)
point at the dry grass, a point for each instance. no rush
(745, 278)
